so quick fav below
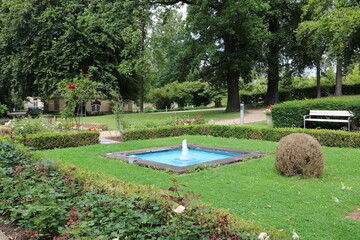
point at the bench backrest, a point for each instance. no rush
(335, 113)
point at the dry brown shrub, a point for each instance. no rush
(299, 154)
(5, 130)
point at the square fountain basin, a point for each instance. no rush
(168, 157)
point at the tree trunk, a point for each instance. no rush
(141, 92)
(142, 53)
(338, 86)
(232, 80)
(272, 93)
(318, 77)
(232, 76)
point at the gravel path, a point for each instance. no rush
(252, 115)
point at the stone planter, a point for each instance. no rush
(269, 119)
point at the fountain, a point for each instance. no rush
(182, 157)
(184, 151)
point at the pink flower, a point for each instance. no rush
(263, 236)
(179, 209)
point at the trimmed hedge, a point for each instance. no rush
(291, 114)
(299, 94)
(41, 141)
(329, 138)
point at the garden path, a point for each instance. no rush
(252, 115)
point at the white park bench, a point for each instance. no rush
(320, 114)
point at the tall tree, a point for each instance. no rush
(43, 42)
(228, 36)
(335, 23)
(282, 18)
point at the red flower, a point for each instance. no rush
(188, 121)
(117, 97)
(72, 86)
(269, 107)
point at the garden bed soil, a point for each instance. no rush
(11, 230)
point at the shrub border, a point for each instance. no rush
(40, 141)
(330, 138)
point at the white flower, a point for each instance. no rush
(336, 199)
(295, 236)
(263, 236)
(343, 187)
(179, 209)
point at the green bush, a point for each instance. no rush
(3, 109)
(61, 140)
(291, 114)
(194, 93)
(329, 138)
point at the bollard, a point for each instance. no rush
(242, 107)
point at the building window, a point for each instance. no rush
(95, 108)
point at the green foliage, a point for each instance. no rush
(330, 138)
(161, 97)
(331, 23)
(43, 42)
(290, 114)
(3, 109)
(186, 93)
(77, 92)
(298, 93)
(61, 140)
(354, 76)
(57, 203)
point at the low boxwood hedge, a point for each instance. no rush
(291, 114)
(329, 138)
(41, 141)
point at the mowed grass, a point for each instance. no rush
(146, 120)
(253, 189)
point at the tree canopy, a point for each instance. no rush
(43, 42)
(138, 45)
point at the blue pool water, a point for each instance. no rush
(195, 156)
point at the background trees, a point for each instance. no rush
(43, 42)
(140, 45)
(332, 26)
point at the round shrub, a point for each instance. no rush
(299, 154)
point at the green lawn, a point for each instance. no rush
(141, 120)
(251, 190)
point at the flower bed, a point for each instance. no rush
(53, 202)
